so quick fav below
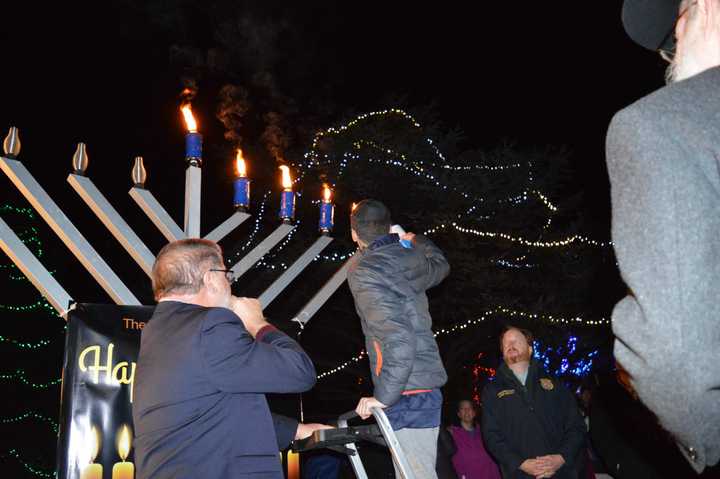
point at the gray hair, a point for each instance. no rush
(180, 266)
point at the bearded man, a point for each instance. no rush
(663, 156)
(531, 423)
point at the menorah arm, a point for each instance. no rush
(113, 221)
(227, 226)
(242, 266)
(156, 213)
(294, 270)
(31, 267)
(321, 297)
(67, 232)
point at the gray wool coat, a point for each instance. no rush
(663, 156)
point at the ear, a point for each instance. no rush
(354, 235)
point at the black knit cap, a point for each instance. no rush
(369, 212)
(649, 23)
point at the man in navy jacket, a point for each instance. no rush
(206, 361)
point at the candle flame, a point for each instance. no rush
(327, 193)
(286, 179)
(189, 118)
(94, 443)
(124, 442)
(240, 164)
(352, 208)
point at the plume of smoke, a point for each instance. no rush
(190, 89)
(275, 137)
(233, 104)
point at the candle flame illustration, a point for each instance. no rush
(286, 179)
(240, 164)
(189, 118)
(124, 442)
(95, 442)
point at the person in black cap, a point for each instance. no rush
(388, 280)
(663, 155)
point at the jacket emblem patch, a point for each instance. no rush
(505, 392)
(547, 384)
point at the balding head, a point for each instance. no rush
(180, 266)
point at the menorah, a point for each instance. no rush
(78, 245)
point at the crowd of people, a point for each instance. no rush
(207, 358)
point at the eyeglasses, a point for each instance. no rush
(669, 55)
(229, 274)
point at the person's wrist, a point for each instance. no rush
(258, 327)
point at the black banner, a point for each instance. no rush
(96, 430)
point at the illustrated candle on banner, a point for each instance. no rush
(124, 470)
(92, 470)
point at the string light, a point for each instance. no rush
(566, 366)
(36, 306)
(19, 376)
(502, 311)
(31, 415)
(32, 469)
(23, 345)
(347, 363)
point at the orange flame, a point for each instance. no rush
(286, 179)
(352, 208)
(327, 194)
(189, 118)
(240, 164)
(124, 442)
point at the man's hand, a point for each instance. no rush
(408, 237)
(305, 430)
(250, 313)
(550, 464)
(532, 467)
(363, 407)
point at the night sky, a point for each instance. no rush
(110, 75)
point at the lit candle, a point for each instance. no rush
(193, 139)
(287, 199)
(93, 471)
(241, 199)
(327, 211)
(293, 465)
(123, 470)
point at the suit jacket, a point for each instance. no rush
(199, 407)
(663, 155)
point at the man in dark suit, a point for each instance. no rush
(663, 155)
(206, 361)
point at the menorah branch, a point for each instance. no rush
(294, 270)
(31, 267)
(67, 232)
(113, 221)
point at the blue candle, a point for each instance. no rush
(287, 205)
(327, 211)
(193, 146)
(287, 199)
(193, 139)
(241, 199)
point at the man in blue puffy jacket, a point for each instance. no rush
(388, 279)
